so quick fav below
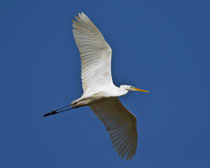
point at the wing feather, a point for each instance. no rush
(95, 54)
(120, 123)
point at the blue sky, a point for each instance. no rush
(161, 46)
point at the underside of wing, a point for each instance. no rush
(120, 123)
(95, 53)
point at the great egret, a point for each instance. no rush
(100, 94)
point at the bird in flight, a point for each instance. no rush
(99, 91)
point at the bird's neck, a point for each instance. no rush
(122, 91)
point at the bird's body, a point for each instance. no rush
(89, 98)
(99, 92)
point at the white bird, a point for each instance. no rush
(99, 92)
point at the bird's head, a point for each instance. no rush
(131, 88)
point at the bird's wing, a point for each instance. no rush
(120, 123)
(95, 53)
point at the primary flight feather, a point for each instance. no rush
(99, 92)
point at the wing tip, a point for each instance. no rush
(123, 147)
(80, 15)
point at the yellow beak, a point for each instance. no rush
(141, 90)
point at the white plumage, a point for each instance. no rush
(100, 94)
(95, 54)
(97, 83)
(120, 123)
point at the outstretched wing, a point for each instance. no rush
(120, 123)
(95, 54)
